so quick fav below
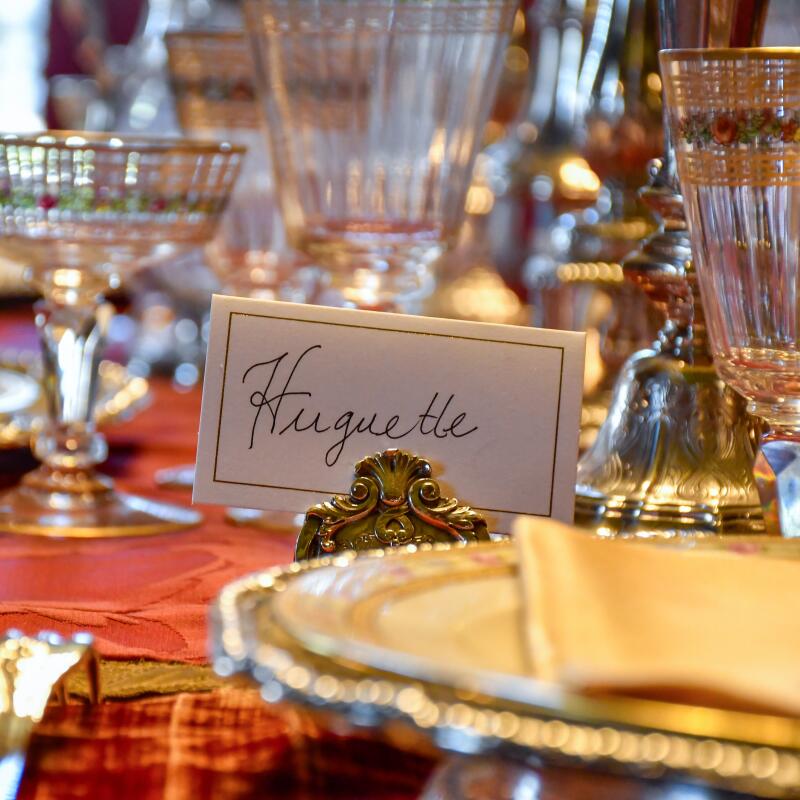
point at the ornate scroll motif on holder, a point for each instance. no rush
(393, 501)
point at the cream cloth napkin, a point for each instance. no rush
(603, 615)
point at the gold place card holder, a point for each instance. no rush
(393, 501)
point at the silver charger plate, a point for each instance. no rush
(22, 404)
(430, 638)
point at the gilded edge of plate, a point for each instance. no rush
(753, 753)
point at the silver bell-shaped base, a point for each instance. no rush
(674, 456)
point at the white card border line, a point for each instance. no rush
(220, 415)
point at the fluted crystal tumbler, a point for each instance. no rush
(375, 111)
(84, 211)
(735, 123)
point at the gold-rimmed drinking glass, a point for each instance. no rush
(84, 211)
(735, 123)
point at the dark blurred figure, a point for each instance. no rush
(80, 31)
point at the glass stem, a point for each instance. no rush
(72, 325)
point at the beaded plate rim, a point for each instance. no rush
(584, 731)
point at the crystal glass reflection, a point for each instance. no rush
(735, 123)
(375, 111)
(84, 211)
(212, 79)
(213, 84)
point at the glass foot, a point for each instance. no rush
(176, 477)
(481, 777)
(272, 521)
(777, 473)
(79, 505)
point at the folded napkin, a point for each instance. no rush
(711, 627)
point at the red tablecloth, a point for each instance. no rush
(147, 598)
(140, 597)
(223, 745)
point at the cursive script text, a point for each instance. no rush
(289, 408)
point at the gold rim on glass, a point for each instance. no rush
(117, 142)
(729, 53)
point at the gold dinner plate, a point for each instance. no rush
(22, 402)
(434, 638)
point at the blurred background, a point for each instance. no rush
(551, 213)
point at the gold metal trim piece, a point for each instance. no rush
(32, 667)
(32, 670)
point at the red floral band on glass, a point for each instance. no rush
(751, 127)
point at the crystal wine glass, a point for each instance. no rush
(84, 211)
(211, 74)
(375, 111)
(735, 122)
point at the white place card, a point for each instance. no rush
(294, 395)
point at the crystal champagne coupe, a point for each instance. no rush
(735, 122)
(84, 211)
(375, 111)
